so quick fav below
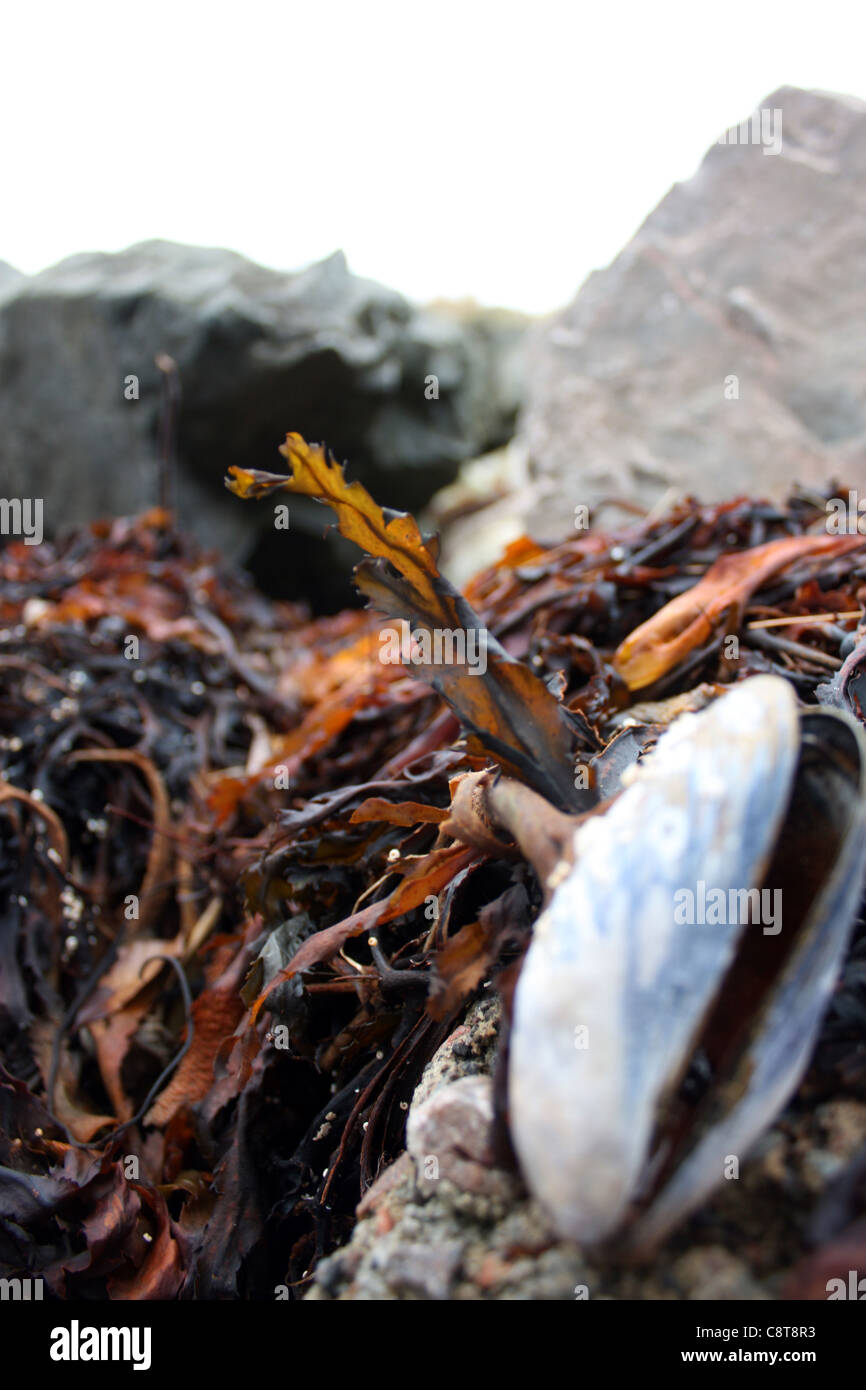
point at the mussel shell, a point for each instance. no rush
(609, 957)
(825, 837)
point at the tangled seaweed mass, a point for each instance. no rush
(253, 876)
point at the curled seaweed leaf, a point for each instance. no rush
(504, 708)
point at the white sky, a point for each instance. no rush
(479, 148)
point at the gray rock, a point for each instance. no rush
(324, 352)
(416, 1269)
(9, 278)
(450, 1137)
(753, 269)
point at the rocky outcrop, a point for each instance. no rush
(9, 277)
(404, 394)
(723, 350)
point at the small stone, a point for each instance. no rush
(384, 1186)
(424, 1270)
(33, 610)
(493, 1271)
(449, 1135)
(384, 1222)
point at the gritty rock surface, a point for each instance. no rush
(469, 1051)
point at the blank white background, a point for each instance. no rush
(494, 150)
